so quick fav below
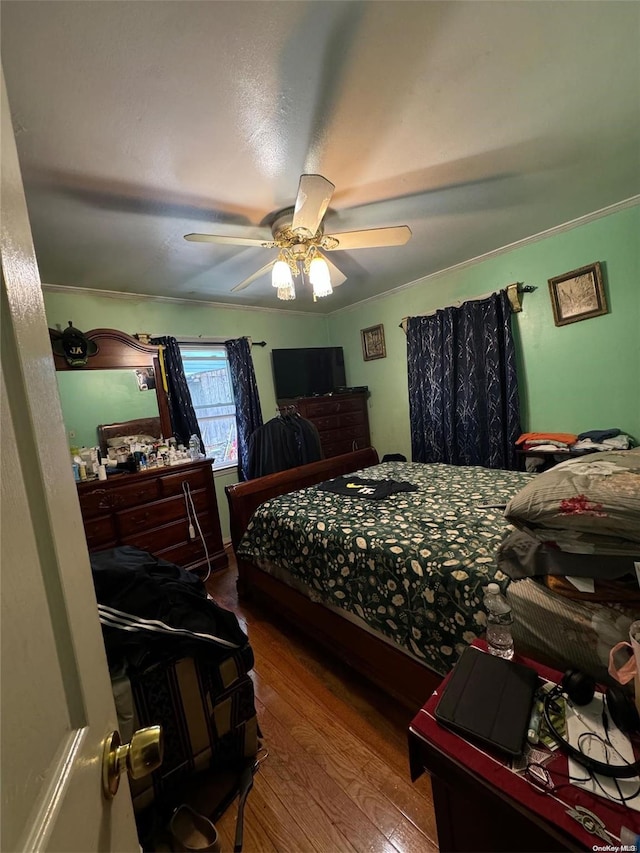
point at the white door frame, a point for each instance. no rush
(57, 705)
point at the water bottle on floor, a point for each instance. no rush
(499, 622)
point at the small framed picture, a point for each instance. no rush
(373, 343)
(146, 379)
(577, 295)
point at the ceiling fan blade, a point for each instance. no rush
(370, 238)
(337, 276)
(253, 277)
(232, 241)
(312, 201)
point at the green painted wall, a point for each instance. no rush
(277, 328)
(573, 378)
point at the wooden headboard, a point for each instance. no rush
(140, 426)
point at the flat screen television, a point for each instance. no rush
(307, 371)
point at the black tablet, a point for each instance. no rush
(489, 699)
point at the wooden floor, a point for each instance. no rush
(337, 776)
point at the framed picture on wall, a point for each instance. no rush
(577, 295)
(373, 345)
(146, 379)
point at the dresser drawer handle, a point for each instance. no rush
(107, 500)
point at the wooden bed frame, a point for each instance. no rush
(139, 426)
(404, 677)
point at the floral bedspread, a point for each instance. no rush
(412, 566)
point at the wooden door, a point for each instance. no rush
(57, 706)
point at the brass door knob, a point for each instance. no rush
(140, 757)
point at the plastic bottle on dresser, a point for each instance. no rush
(194, 447)
(499, 622)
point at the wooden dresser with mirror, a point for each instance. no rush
(148, 509)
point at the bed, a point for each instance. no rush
(394, 587)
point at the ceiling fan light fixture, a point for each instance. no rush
(281, 276)
(287, 292)
(298, 233)
(320, 278)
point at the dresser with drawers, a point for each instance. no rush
(149, 510)
(341, 419)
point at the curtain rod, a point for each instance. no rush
(200, 340)
(513, 290)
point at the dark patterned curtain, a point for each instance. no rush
(463, 388)
(247, 399)
(183, 417)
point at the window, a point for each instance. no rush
(208, 375)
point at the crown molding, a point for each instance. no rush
(226, 306)
(174, 300)
(503, 250)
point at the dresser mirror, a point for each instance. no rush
(120, 382)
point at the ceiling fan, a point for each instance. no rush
(298, 234)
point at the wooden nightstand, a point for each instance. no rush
(482, 805)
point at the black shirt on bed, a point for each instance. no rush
(374, 490)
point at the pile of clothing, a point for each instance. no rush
(603, 439)
(558, 442)
(565, 442)
(546, 442)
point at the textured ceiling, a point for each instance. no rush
(475, 123)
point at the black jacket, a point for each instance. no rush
(152, 610)
(283, 442)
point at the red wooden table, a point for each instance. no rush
(483, 805)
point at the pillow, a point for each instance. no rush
(588, 505)
(119, 440)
